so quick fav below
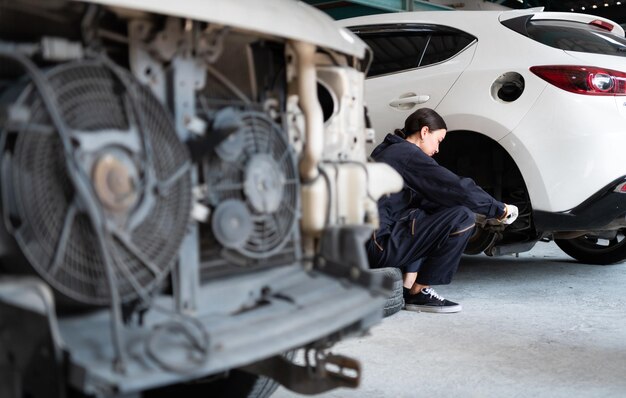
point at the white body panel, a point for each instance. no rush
(567, 146)
(569, 158)
(284, 18)
(429, 84)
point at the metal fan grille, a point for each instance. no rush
(225, 180)
(91, 99)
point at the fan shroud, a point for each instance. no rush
(125, 144)
(256, 167)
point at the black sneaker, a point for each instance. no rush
(427, 300)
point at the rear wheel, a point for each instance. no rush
(594, 250)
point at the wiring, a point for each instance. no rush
(326, 177)
(200, 345)
(189, 327)
(83, 191)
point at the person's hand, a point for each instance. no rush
(510, 214)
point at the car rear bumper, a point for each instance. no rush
(605, 210)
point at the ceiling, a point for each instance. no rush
(338, 9)
(612, 9)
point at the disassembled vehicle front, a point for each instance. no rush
(185, 197)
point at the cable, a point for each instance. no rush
(83, 191)
(199, 345)
(179, 325)
(167, 325)
(329, 185)
(94, 212)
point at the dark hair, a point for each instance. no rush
(418, 119)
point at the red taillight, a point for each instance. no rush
(621, 188)
(588, 80)
(602, 24)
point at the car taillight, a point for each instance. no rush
(588, 80)
(621, 188)
(602, 24)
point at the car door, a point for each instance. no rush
(414, 66)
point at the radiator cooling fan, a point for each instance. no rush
(126, 150)
(252, 187)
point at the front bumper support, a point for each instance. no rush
(298, 308)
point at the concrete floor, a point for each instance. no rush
(540, 325)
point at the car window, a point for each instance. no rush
(575, 36)
(403, 47)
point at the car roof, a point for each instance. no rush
(469, 20)
(284, 18)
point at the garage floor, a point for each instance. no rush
(540, 325)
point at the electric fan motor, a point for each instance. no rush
(252, 185)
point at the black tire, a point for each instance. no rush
(263, 387)
(587, 249)
(396, 301)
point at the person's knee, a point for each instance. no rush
(463, 214)
(464, 218)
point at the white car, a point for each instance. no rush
(535, 104)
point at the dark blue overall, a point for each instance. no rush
(424, 228)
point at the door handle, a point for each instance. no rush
(409, 102)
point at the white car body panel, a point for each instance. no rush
(584, 18)
(592, 148)
(284, 18)
(599, 60)
(564, 160)
(433, 86)
(481, 112)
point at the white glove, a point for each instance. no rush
(510, 214)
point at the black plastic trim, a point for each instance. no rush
(594, 214)
(385, 29)
(518, 24)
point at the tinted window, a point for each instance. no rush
(444, 46)
(395, 52)
(402, 47)
(576, 36)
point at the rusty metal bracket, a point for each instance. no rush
(321, 373)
